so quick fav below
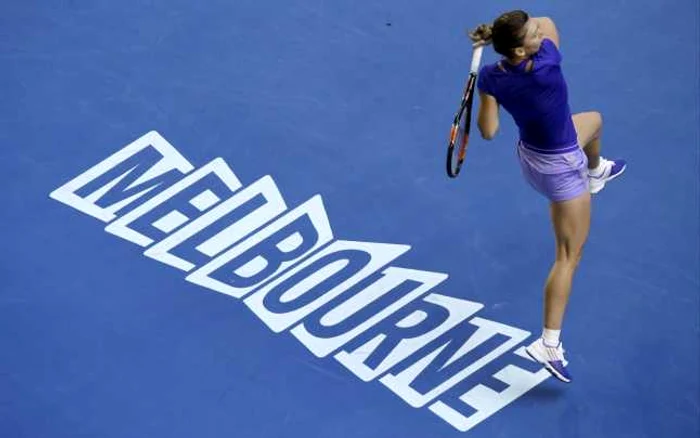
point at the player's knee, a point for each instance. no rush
(579, 254)
(569, 254)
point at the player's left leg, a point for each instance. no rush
(600, 170)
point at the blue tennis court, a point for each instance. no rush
(232, 219)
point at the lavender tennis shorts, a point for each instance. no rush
(559, 175)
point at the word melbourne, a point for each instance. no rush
(344, 300)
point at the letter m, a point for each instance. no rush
(146, 166)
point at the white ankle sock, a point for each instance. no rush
(598, 170)
(551, 337)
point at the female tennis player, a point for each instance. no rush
(559, 153)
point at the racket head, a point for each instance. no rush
(459, 132)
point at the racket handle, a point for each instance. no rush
(476, 59)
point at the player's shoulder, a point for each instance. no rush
(487, 81)
(549, 51)
(489, 69)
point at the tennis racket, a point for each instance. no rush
(459, 134)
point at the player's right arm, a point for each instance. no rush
(488, 116)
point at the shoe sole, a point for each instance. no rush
(548, 367)
(610, 179)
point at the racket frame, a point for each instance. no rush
(465, 105)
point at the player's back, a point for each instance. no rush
(536, 95)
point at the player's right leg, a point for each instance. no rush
(571, 221)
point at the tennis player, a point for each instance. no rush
(559, 153)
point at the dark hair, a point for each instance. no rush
(508, 31)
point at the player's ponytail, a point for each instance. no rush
(481, 34)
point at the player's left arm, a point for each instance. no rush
(548, 29)
(488, 116)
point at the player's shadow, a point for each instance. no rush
(548, 391)
(568, 415)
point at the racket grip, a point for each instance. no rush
(476, 59)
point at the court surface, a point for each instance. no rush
(357, 291)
